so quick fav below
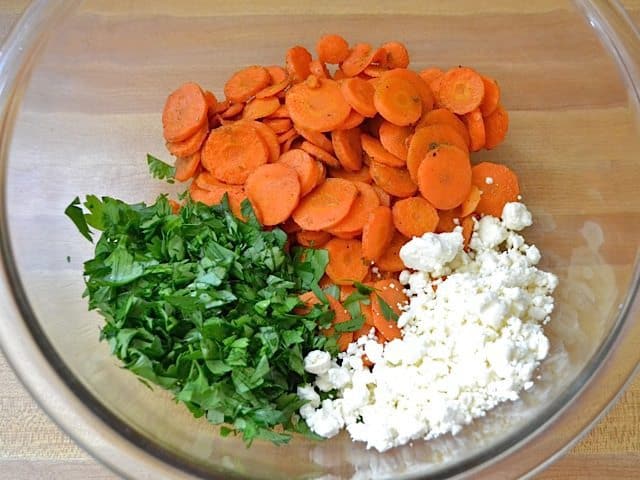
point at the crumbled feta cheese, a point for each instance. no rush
(317, 362)
(472, 337)
(516, 216)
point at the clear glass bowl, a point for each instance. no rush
(82, 87)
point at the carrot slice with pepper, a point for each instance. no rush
(461, 90)
(442, 115)
(273, 90)
(245, 83)
(390, 292)
(377, 232)
(377, 152)
(312, 239)
(384, 197)
(186, 167)
(496, 126)
(426, 95)
(397, 55)
(374, 71)
(444, 176)
(278, 125)
(269, 137)
(475, 125)
(341, 315)
(277, 74)
(358, 59)
(297, 62)
(394, 181)
(498, 185)
(390, 260)
(394, 139)
(352, 121)
(359, 94)
(184, 113)
(309, 173)
(320, 154)
(332, 48)
(366, 201)
(281, 112)
(346, 264)
(326, 205)
(319, 69)
(212, 101)
(428, 138)
(260, 107)
(397, 99)
(275, 190)
(361, 175)
(289, 134)
(190, 145)
(214, 195)
(320, 109)
(232, 152)
(430, 74)
(414, 216)
(448, 220)
(233, 110)
(348, 148)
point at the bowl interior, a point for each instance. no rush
(91, 112)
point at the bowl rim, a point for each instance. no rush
(125, 451)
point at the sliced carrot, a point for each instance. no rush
(309, 174)
(212, 102)
(442, 115)
(361, 175)
(467, 230)
(281, 112)
(428, 138)
(332, 48)
(359, 94)
(377, 233)
(319, 69)
(273, 90)
(461, 90)
(186, 167)
(233, 151)
(245, 83)
(444, 176)
(475, 125)
(289, 226)
(275, 190)
(175, 206)
(185, 111)
(190, 145)
(448, 220)
(312, 81)
(288, 144)
(260, 107)
(491, 96)
(372, 126)
(366, 201)
(496, 126)
(320, 109)
(320, 154)
(341, 315)
(222, 106)
(358, 59)
(233, 110)
(214, 196)
(348, 148)
(312, 239)
(352, 121)
(339, 75)
(430, 74)
(378, 56)
(374, 71)
(368, 316)
(390, 291)
(377, 152)
(346, 264)
(308, 300)
(394, 139)
(278, 125)
(289, 134)
(297, 62)
(397, 99)
(344, 340)
(414, 216)
(326, 205)
(397, 55)
(384, 197)
(270, 139)
(207, 181)
(277, 74)
(317, 138)
(435, 85)
(394, 181)
(426, 95)
(471, 202)
(498, 185)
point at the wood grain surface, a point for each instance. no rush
(32, 447)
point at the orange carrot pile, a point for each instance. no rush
(355, 161)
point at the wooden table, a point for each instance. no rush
(32, 447)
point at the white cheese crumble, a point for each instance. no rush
(471, 340)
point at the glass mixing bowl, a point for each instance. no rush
(82, 87)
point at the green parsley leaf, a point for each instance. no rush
(75, 213)
(160, 169)
(387, 311)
